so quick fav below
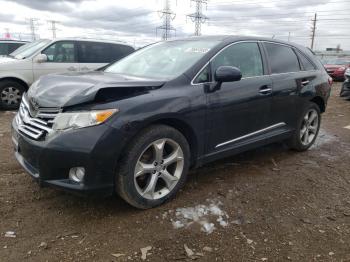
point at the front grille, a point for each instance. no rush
(35, 123)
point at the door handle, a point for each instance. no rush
(72, 68)
(265, 90)
(85, 68)
(305, 82)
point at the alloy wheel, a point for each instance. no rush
(309, 127)
(11, 96)
(159, 169)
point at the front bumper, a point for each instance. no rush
(49, 161)
(345, 90)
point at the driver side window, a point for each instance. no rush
(245, 56)
(61, 52)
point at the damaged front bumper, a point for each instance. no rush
(345, 90)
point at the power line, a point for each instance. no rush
(198, 17)
(313, 31)
(167, 15)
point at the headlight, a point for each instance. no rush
(77, 120)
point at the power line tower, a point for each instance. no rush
(167, 16)
(32, 27)
(53, 27)
(313, 31)
(198, 17)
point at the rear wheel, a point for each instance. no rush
(10, 94)
(307, 129)
(154, 167)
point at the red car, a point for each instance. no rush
(336, 68)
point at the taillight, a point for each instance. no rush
(330, 81)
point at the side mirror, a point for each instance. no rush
(41, 58)
(227, 74)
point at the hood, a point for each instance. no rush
(61, 90)
(7, 59)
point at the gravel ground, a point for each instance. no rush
(269, 204)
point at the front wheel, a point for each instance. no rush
(307, 129)
(154, 167)
(10, 94)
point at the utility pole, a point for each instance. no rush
(313, 28)
(53, 27)
(167, 16)
(198, 17)
(32, 27)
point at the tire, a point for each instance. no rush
(159, 154)
(301, 142)
(10, 94)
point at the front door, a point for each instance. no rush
(239, 110)
(61, 58)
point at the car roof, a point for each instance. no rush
(12, 41)
(90, 40)
(234, 38)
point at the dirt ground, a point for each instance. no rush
(278, 205)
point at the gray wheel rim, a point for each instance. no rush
(309, 127)
(11, 96)
(159, 169)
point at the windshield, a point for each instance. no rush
(29, 49)
(164, 60)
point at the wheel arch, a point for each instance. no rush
(320, 103)
(186, 130)
(15, 79)
(180, 125)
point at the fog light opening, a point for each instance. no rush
(77, 174)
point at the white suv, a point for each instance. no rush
(25, 65)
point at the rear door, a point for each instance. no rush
(61, 57)
(239, 111)
(93, 55)
(287, 80)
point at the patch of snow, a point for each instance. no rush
(323, 138)
(177, 224)
(207, 216)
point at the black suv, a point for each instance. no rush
(137, 126)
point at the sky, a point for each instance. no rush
(135, 21)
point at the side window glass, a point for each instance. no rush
(3, 49)
(60, 52)
(307, 65)
(245, 56)
(204, 76)
(93, 52)
(120, 51)
(282, 58)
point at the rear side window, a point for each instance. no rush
(245, 56)
(307, 65)
(120, 51)
(282, 59)
(94, 52)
